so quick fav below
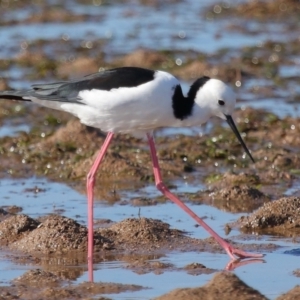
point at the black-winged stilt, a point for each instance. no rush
(138, 101)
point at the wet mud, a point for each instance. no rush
(281, 216)
(230, 285)
(55, 145)
(38, 284)
(54, 238)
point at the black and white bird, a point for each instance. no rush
(138, 101)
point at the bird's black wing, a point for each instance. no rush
(67, 91)
(115, 78)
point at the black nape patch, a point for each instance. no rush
(182, 106)
(196, 86)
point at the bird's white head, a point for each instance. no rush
(216, 98)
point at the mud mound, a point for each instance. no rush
(15, 227)
(55, 234)
(144, 267)
(78, 68)
(142, 57)
(226, 286)
(296, 272)
(69, 151)
(230, 178)
(141, 266)
(58, 235)
(147, 235)
(38, 284)
(14, 209)
(282, 214)
(278, 9)
(274, 176)
(193, 70)
(104, 288)
(142, 231)
(291, 295)
(235, 198)
(3, 214)
(72, 149)
(234, 192)
(240, 198)
(198, 269)
(38, 278)
(281, 135)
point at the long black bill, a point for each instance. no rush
(236, 132)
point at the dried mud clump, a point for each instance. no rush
(141, 232)
(141, 266)
(296, 272)
(261, 9)
(142, 57)
(224, 285)
(198, 269)
(3, 213)
(55, 234)
(89, 288)
(80, 67)
(71, 150)
(14, 209)
(278, 10)
(38, 278)
(238, 198)
(15, 227)
(277, 140)
(38, 284)
(230, 178)
(293, 294)
(51, 234)
(193, 70)
(279, 215)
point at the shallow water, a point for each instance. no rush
(163, 27)
(57, 197)
(263, 277)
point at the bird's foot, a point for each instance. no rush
(235, 253)
(236, 263)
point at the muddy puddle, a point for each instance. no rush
(146, 247)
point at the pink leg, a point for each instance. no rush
(161, 186)
(90, 183)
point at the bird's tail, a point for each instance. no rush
(14, 95)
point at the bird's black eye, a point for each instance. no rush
(221, 102)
